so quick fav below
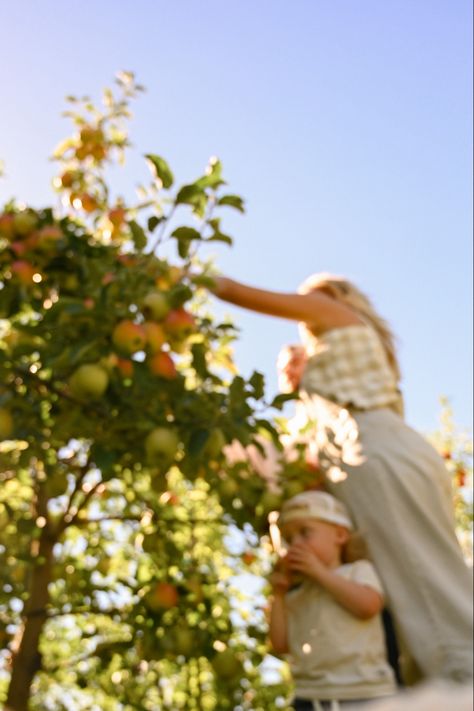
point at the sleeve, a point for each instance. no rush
(364, 573)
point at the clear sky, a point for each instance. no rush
(345, 125)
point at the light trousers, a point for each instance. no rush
(399, 493)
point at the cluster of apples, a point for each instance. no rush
(163, 330)
(28, 240)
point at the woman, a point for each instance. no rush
(391, 479)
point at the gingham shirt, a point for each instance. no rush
(349, 367)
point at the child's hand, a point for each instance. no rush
(280, 579)
(302, 560)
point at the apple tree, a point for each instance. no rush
(118, 400)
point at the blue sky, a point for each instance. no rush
(345, 125)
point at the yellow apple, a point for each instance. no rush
(129, 337)
(155, 336)
(161, 445)
(89, 381)
(226, 664)
(155, 305)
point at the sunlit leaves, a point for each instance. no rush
(161, 169)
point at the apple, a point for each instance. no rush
(228, 487)
(161, 445)
(125, 366)
(91, 134)
(48, 236)
(155, 305)
(69, 177)
(24, 271)
(129, 337)
(162, 596)
(163, 365)
(7, 229)
(24, 222)
(215, 443)
(6, 423)
(88, 202)
(20, 248)
(89, 381)
(226, 664)
(155, 336)
(117, 216)
(179, 323)
(170, 277)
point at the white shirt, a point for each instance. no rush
(333, 653)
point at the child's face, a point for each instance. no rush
(325, 540)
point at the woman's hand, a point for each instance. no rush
(291, 363)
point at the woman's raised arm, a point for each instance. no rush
(319, 311)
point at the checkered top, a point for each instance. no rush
(349, 366)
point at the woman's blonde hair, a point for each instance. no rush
(344, 291)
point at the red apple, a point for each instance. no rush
(155, 336)
(162, 596)
(129, 337)
(125, 366)
(7, 229)
(24, 271)
(179, 323)
(163, 365)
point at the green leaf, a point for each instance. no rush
(213, 177)
(190, 195)
(197, 442)
(153, 222)
(266, 425)
(188, 233)
(232, 201)
(198, 351)
(185, 235)
(220, 237)
(195, 196)
(138, 235)
(257, 381)
(162, 169)
(179, 294)
(237, 391)
(202, 280)
(103, 458)
(279, 400)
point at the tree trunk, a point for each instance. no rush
(26, 659)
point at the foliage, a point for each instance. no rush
(119, 397)
(455, 446)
